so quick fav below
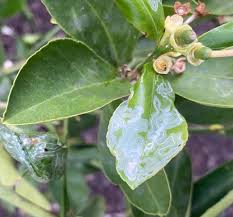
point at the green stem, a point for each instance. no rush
(64, 198)
(165, 39)
(48, 36)
(65, 206)
(191, 18)
(209, 128)
(140, 65)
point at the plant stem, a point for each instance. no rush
(139, 66)
(165, 39)
(221, 53)
(65, 197)
(48, 36)
(191, 19)
(195, 2)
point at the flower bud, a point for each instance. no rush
(163, 64)
(183, 38)
(192, 59)
(182, 9)
(203, 53)
(179, 66)
(201, 9)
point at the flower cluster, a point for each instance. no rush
(184, 46)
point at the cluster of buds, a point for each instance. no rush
(184, 42)
(185, 9)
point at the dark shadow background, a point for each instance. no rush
(207, 151)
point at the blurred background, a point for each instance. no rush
(25, 26)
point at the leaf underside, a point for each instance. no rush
(146, 131)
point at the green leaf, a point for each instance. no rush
(218, 38)
(143, 48)
(77, 189)
(8, 195)
(5, 86)
(179, 172)
(9, 8)
(154, 202)
(15, 190)
(64, 79)
(95, 208)
(137, 213)
(210, 189)
(219, 207)
(217, 7)
(2, 54)
(209, 84)
(146, 15)
(214, 7)
(146, 131)
(97, 23)
(199, 114)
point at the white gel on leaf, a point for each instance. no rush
(146, 131)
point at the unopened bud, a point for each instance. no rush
(183, 38)
(192, 59)
(185, 35)
(201, 9)
(203, 53)
(163, 64)
(180, 65)
(182, 9)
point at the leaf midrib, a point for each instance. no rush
(151, 17)
(65, 93)
(152, 195)
(111, 41)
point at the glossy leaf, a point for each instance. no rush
(97, 23)
(143, 48)
(65, 78)
(146, 15)
(24, 194)
(155, 192)
(42, 154)
(208, 84)
(161, 132)
(210, 189)
(214, 7)
(220, 37)
(179, 172)
(199, 114)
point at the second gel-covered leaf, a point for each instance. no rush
(146, 131)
